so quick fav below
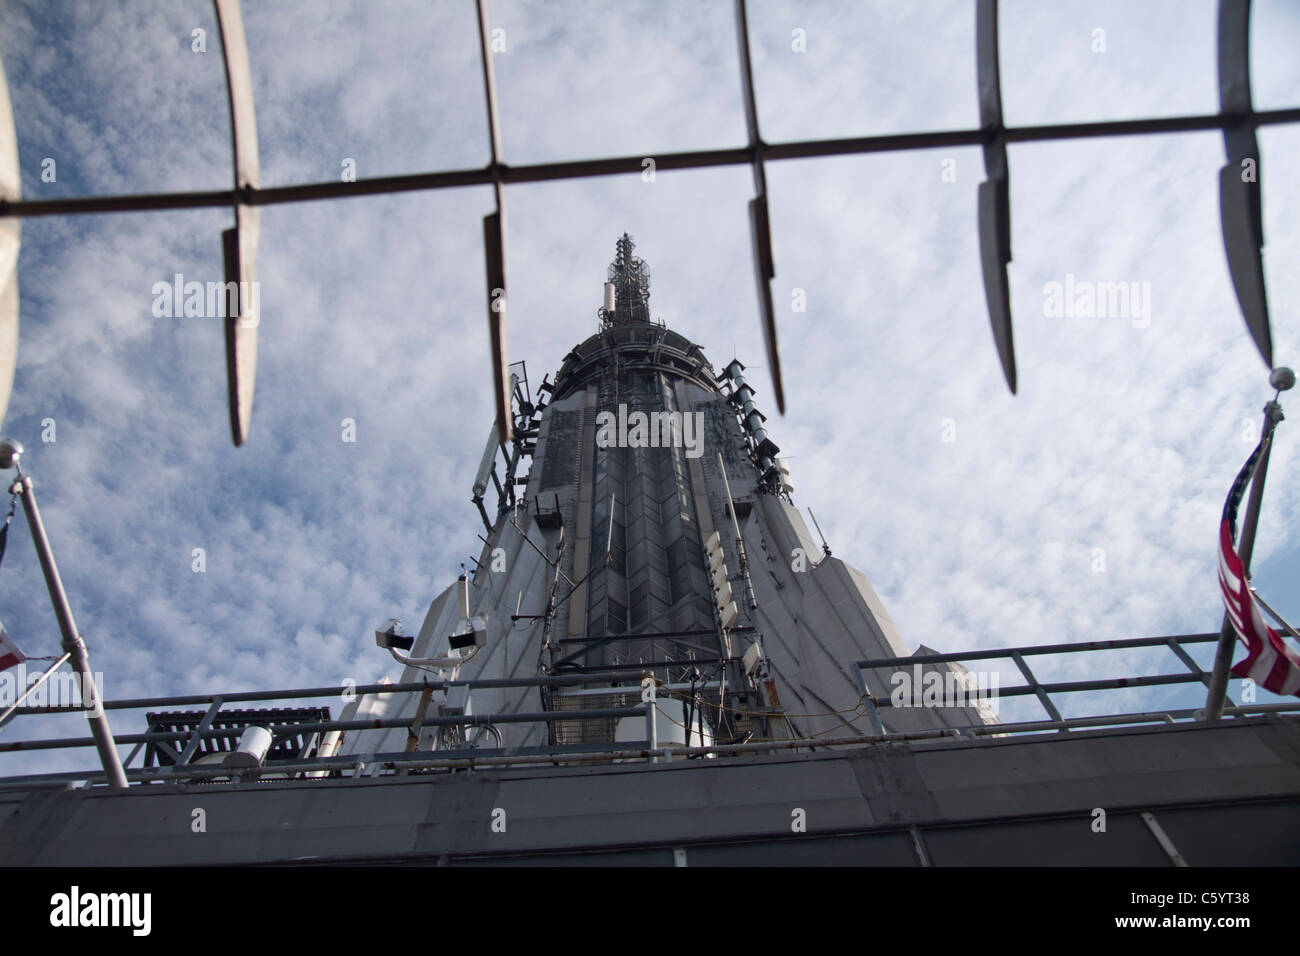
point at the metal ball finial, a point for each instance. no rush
(10, 451)
(1281, 378)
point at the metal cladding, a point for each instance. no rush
(646, 478)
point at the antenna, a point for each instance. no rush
(826, 549)
(609, 539)
(740, 542)
(627, 287)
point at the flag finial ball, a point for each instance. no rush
(10, 452)
(1281, 378)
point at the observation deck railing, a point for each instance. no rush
(186, 742)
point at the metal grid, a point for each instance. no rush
(188, 727)
(1239, 195)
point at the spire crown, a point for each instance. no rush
(628, 278)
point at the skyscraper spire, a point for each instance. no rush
(629, 279)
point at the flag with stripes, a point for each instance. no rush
(1268, 661)
(10, 655)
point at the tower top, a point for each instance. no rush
(628, 278)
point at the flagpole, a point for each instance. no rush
(73, 645)
(1281, 379)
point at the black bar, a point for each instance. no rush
(1038, 649)
(613, 166)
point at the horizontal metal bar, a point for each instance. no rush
(615, 166)
(608, 671)
(140, 703)
(1037, 649)
(1066, 687)
(448, 761)
(281, 730)
(570, 752)
(699, 632)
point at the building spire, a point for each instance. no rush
(627, 287)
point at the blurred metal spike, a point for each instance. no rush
(239, 85)
(494, 244)
(759, 223)
(994, 192)
(1234, 58)
(765, 270)
(992, 196)
(239, 250)
(747, 93)
(489, 87)
(1240, 210)
(986, 63)
(10, 239)
(1239, 213)
(239, 246)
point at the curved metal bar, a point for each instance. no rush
(10, 240)
(239, 245)
(494, 244)
(759, 224)
(1239, 192)
(994, 192)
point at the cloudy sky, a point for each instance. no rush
(1124, 437)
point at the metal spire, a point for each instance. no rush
(630, 278)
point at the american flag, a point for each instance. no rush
(10, 655)
(1268, 661)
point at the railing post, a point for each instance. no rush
(651, 717)
(872, 713)
(1041, 694)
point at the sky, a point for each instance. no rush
(977, 515)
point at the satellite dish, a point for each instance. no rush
(10, 227)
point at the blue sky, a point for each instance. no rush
(1122, 438)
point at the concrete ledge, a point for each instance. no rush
(1224, 794)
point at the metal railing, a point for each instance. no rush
(186, 742)
(970, 693)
